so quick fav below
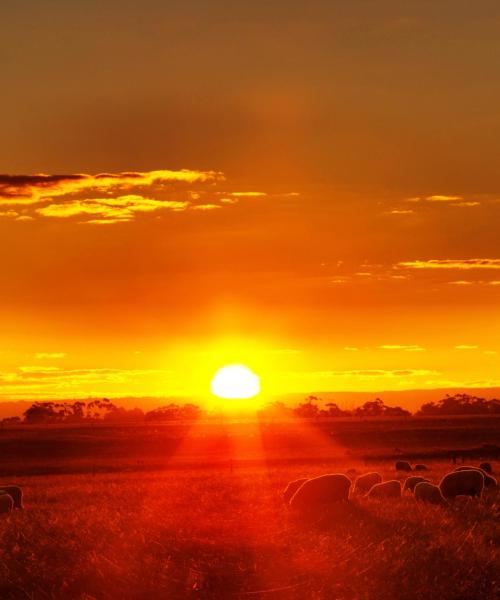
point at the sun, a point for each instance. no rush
(235, 382)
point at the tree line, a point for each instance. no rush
(311, 408)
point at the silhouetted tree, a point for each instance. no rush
(174, 412)
(308, 409)
(333, 410)
(461, 404)
(377, 408)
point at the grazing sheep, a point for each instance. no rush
(412, 481)
(291, 488)
(320, 491)
(428, 492)
(387, 489)
(365, 482)
(15, 492)
(421, 467)
(486, 466)
(462, 483)
(489, 481)
(6, 503)
(403, 465)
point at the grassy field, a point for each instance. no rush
(222, 531)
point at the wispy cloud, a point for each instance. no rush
(450, 263)
(44, 381)
(401, 211)
(373, 373)
(108, 198)
(31, 189)
(466, 204)
(442, 198)
(205, 206)
(404, 347)
(466, 347)
(122, 208)
(50, 355)
(447, 199)
(469, 282)
(247, 194)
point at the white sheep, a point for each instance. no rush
(462, 483)
(420, 467)
(321, 491)
(412, 481)
(386, 489)
(428, 492)
(291, 488)
(489, 481)
(6, 503)
(365, 482)
(15, 492)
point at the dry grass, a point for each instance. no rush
(215, 534)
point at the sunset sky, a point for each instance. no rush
(310, 189)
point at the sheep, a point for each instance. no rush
(462, 483)
(365, 482)
(291, 488)
(6, 503)
(489, 481)
(387, 489)
(420, 467)
(321, 491)
(403, 465)
(412, 481)
(428, 492)
(15, 492)
(486, 466)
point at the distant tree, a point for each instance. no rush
(396, 411)
(66, 412)
(333, 410)
(275, 409)
(308, 409)
(372, 408)
(174, 412)
(119, 414)
(377, 408)
(461, 404)
(10, 421)
(42, 412)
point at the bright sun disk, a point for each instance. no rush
(235, 382)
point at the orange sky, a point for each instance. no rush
(312, 191)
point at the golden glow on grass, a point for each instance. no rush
(235, 382)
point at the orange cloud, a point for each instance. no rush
(449, 263)
(35, 381)
(50, 355)
(443, 198)
(370, 373)
(206, 206)
(72, 196)
(405, 348)
(32, 189)
(110, 210)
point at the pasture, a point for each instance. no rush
(219, 529)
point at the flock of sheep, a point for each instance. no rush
(317, 492)
(311, 494)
